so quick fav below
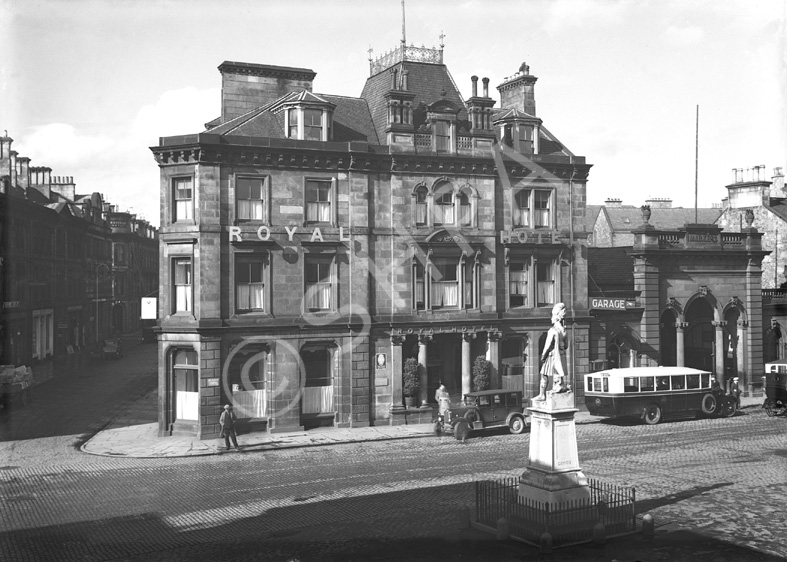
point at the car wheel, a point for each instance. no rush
(461, 430)
(516, 425)
(709, 404)
(728, 408)
(652, 414)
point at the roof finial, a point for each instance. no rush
(442, 36)
(404, 38)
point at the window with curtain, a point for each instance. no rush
(186, 374)
(317, 391)
(518, 272)
(183, 195)
(442, 135)
(445, 283)
(318, 200)
(249, 283)
(545, 283)
(541, 215)
(183, 283)
(420, 206)
(292, 115)
(444, 207)
(250, 196)
(521, 211)
(319, 284)
(312, 124)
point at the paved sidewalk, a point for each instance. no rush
(134, 434)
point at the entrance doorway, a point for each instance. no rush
(186, 377)
(700, 336)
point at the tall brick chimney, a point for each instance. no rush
(23, 171)
(518, 91)
(246, 86)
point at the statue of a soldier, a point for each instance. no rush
(552, 356)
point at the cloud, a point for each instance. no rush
(60, 145)
(565, 14)
(688, 35)
(177, 112)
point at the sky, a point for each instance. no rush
(86, 87)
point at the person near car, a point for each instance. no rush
(227, 422)
(552, 356)
(735, 391)
(442, 398)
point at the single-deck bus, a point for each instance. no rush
(653, 393)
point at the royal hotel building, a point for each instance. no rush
(310, 243)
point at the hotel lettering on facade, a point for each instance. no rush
(311, 243)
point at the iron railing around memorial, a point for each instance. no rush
(568, 522)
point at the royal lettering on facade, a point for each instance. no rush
(263, 234)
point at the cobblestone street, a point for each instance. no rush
(714, 484)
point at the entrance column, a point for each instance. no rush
(746, 381)
(680, 343)
(493, 356)
(720, 352)
(397, 402)
(423, 354)
(467, 375)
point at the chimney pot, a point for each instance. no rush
(474, 79)
(486, 86)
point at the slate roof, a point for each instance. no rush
(427, 81)
(591, 216)
(629, 217)
(610, 270)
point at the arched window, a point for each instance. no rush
(444, 205)
(465, 216)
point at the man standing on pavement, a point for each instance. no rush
(227, 421)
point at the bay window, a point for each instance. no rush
(445, 283)
(442, 136)
(312, 124)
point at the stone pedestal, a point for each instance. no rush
(552, 473)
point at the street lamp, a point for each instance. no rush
(98, 271)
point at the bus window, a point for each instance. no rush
(705, 380)
(662, 383)
(646, 384)
(630, 384)
(678, 382)
(597, 384)
(606, 384)
(589, 385)
(692, 381)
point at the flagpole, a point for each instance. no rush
(696, 162)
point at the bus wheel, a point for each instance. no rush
(652, 414)
(516, 425)
(728, 408)
(709, 404)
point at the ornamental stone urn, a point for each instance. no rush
(749, 217)
(645, 213)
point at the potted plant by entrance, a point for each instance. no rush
(411, 381)
(482, 373)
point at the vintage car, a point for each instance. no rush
(483, 409)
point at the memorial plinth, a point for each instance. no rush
(553, 474)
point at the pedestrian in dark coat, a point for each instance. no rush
(227, 421)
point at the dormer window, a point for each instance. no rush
(307, 117)
(312, 124)
(442, 136)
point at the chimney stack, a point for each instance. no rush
(613, 202)
(518, 91)
(474, 80)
